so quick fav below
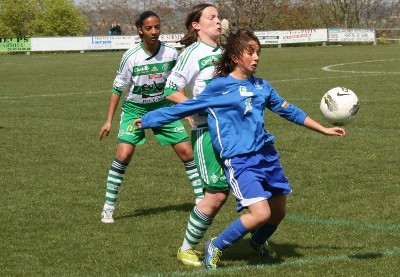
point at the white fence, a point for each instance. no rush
(32, 44)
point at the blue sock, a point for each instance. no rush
(230, 235)
(262, 234)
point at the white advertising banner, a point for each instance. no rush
(126, 42)
(56, 44)
(292, 36)
(94, 43)
(268, 37)
(351, 35)
(301, 36)
(109, 42)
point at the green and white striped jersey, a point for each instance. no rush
(194, 70)
(143, 77)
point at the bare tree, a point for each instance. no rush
(255, 15)
(101, 14)
(355, 13)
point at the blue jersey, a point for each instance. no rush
(235, 113)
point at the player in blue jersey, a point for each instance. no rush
(235, 102)
(142, 73)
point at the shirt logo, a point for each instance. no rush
(243, 91)
(258, 86)
(249, 107)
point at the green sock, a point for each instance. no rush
(114, 181)
(194, 177)
(196, 228)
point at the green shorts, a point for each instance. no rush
(208, 162)
(168, 134)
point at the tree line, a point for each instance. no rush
(23, 18)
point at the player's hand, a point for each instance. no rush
(335, 131)
(138, 123)
(190, 120)
(105, 129)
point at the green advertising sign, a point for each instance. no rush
(15, 44)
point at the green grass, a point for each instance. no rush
(342, 217)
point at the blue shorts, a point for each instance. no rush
(256, 176)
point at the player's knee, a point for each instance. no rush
(185, 155)
(214, 201)
(218, 198)
(184, 151)
(124, 156)
(261, 217)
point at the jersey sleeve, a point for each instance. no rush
(123, 78)
(289, 111)
(174, 83)
(185, 69)
(167, 115)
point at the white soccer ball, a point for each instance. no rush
(339, 106)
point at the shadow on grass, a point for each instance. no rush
(366, 256)
(184, 207)
(242, 251)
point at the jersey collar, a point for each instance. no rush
(215, 48)
(150, 55)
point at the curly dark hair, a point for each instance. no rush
(235, 44)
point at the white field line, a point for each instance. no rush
(53, 94)
(326, 68)
(329, 67)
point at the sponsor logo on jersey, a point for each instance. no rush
(141, 69)
(258, 85)
(154, 68)
(156, 75)
(153, 99)
(152, 93)
(243, 91)
(208, 61)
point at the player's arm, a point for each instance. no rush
(176, 97)
(121, 82)
(174, 90)
(296, 115)
(106, 128)
(175, 93)
(315, 126)
(167, 115)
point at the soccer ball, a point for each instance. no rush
(339, 106)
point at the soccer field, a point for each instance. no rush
(342, 217)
